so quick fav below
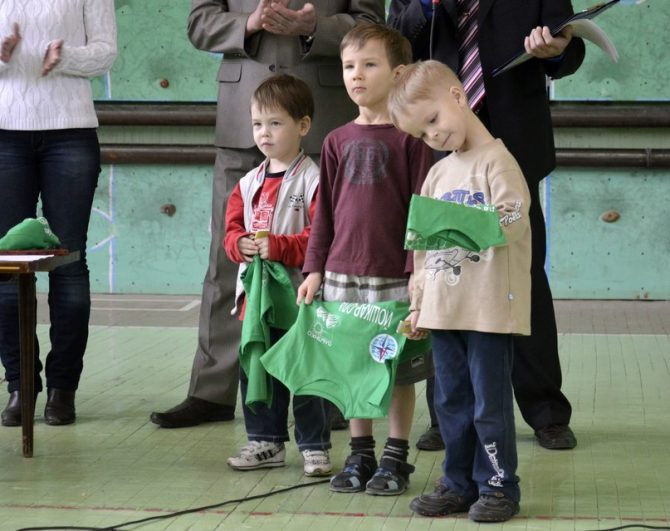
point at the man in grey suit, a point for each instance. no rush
(258, 38)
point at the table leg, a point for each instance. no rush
(27, 364)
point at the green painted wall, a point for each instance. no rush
(134, 248)
(638, 31)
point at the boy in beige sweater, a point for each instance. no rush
(471, 302)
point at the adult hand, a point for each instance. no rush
(281, 20)
(309, 287)
(542, 45)
(52, 57)
(255, 22)
(247, 247)
(9, 42)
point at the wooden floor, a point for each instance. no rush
(115, 466)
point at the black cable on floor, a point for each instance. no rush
(179, 513)
(632, 526)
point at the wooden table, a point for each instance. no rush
(25, 264)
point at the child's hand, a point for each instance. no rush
(309, 287)
(416, 333)
(247, 247)
(263, 245)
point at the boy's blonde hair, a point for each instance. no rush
(417, 82)
(284, 91)
(398, 48)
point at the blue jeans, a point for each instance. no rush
(312, 423)
(61, 168)
(475, 408)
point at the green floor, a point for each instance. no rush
(114, 466)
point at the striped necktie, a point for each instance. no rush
(470, 72)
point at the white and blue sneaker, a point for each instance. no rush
(258, 454)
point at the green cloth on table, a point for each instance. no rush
(433, 225)
(31, 233)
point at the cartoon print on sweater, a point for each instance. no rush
(451, 261)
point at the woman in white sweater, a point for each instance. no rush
(49, 151)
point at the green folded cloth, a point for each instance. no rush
(433, 225)
(270, 304)
(31, 233)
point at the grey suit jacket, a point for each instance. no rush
(219, 26)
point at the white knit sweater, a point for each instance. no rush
(63, 99)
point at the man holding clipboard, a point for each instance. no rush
(514, 106)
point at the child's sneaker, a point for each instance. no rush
(493, 507)
(317, 463)
(258, 454)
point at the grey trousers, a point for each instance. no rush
(215, 373)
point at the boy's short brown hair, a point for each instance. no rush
(287, 92)
(417, 82)
(398, 48)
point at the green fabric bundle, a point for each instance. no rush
(270, 304)
(31, 233)
(433, 225)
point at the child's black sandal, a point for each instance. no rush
(357, 471)
(390, 479)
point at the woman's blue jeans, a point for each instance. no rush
(60, 167)
(474, 404)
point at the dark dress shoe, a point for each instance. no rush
(556, 437)
(191, 412)
(431, 440)
(11, 416)
(59, 410)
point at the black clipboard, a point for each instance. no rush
(588, 13)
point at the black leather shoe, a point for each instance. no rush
(11, 416)
(556, 437)
(191, 412)
(59, 410)
(431, 440)
(441, 502)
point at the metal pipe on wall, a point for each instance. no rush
(204, 155)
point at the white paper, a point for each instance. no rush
(23, 257)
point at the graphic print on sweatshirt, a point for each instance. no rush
(366, 160)
(451, 263)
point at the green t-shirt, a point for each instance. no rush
(345, 352)
(433, 225)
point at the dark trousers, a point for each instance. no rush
(61, 168)
(536, 376)
(475, 408)
(270, 423)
